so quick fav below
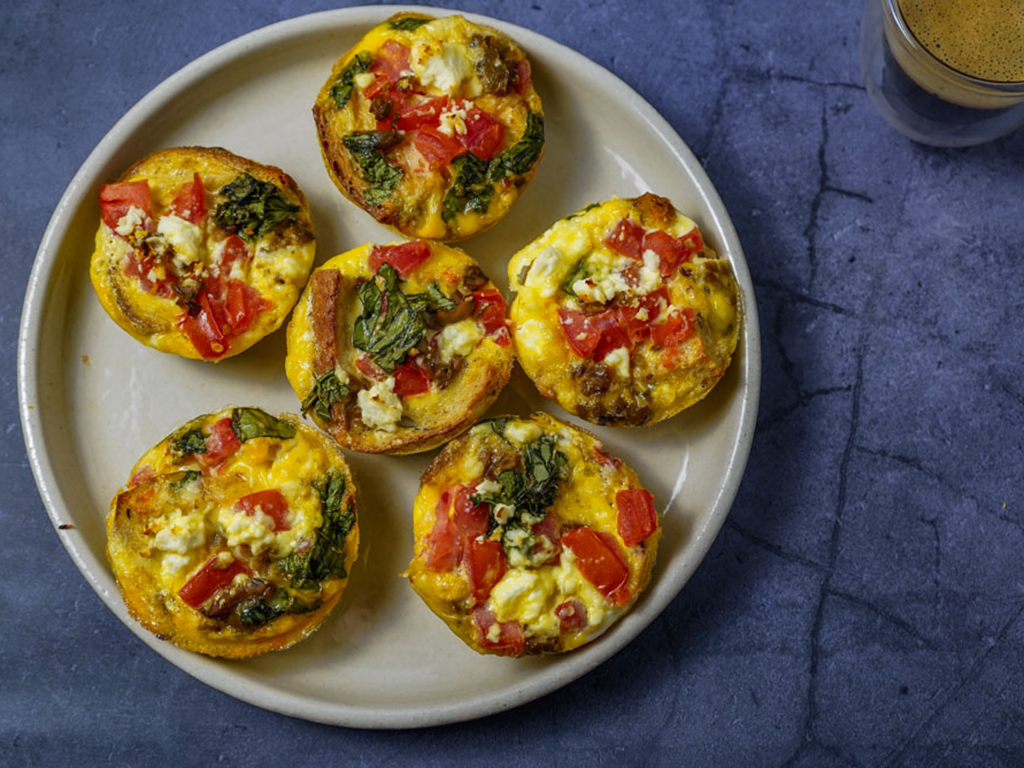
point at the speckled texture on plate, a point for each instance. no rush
(863, 605)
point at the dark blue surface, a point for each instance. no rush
(862, 606)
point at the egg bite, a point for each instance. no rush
(398, 348)
(200, 252)
(622, 312)
(432, 126)
(235, 534)
(529, 538)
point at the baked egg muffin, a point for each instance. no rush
(529, 538)
(398, 348)
(431, 125)
(622, 313)
(235, 534)
(200, 252)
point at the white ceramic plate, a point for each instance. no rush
(92, 399)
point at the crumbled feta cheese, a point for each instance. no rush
(459, 339)
(618, 361)
(502, 512)
(453, 121)
(521, 594)
(494, 632)
(184, 237)
(181, 532)
(173, 564)
(450, 71)
(547, 271)
(363, 79)
(256, 530)
(522, 431)
(650, 273)
(487, 486)
(132, 220)
(380, 406)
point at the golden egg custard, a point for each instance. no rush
(235, 534)
(398, 348)
(200, 252)
(432, 126)
(622, 313)
(529, 538)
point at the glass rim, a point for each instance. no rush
(1006, 87)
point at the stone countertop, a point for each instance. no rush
(863, 604)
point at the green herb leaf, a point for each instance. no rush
(590, 207)
(327, 556)
(470, 190)
(187, 443)
(579, 272)
(431, 301)
(249, 423)
(257, 611)
(252, 207)
(341, 91)
(409, 23)
(386, 336)
(366, 148)
(189, 477)
(520, 157)
(327, 390)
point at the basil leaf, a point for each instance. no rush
(257, 611)
(327, 390)
(327, 556)
(252, 207)
(578, 272)
(520, 157)
(190, 476)
(431, 301)
(409, 23)
(250, 423)
(341, 91)
(590, 207)
(366, 149)
(187, 443)
(389, 335)
(470, 190)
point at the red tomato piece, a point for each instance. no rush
(271, 502)
(639, 328)
(627, 238)
(234, 250)
(442, 548)
(470, 519)
(392, 60)
(485, 565)
(144, 475)
(607, 458)
(611, 339)
(190, 202)
(523, 80)
(637, 517)
(410, 380)
(203, 329)
(510, 640)
(600, 562)
(117, 199)
(669, 249)
(484, 133)
(208, 579)
(584, 332)
(572, 615)
(693, 244)
(489, 310)
(368, 368)
(436, 148)
(412, 117)
(404, 258)
(676, 329)
(141, 268)
(549, 528)
(376, 86)
(220, 445)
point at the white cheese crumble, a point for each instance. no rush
(181, 533)
(502, 512)
(453, 121)
(256, 530)
(183, 236)
(650, 273)
(450, 71)
(173, 564)
(522, 431)
(458, 339)
(547, 271)
(618, 360)
(132, 220)
(363, 79)
(521, 594)
(380, 406)
(487, 486)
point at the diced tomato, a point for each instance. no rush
(523, 80)
(470, 519)
(208, 579)
(670, 250)
(412, 117)
(607, 458)
(436, 148)
(140, 269)
(485, 565)
(693, 243)
(117, 199)
(404, 258)
(489, 310)
(583, 332)
(392, 60)
(377, 86)
(223, 310)
(549, 528)
(611, 339)
(368, 368)
(572, 615)
(676, 329)
(410, 379)
(190, 202)
(234, 250)
(483, 133)
(639, 328)
(442, 548)
(220, 445)
(637, 517)
(203, 328)
(510, 640)
(144, 475)
(271, 502)
(627, 238)
(601, 563)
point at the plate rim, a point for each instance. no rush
(43, 276)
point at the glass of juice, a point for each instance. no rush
(945, 72)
